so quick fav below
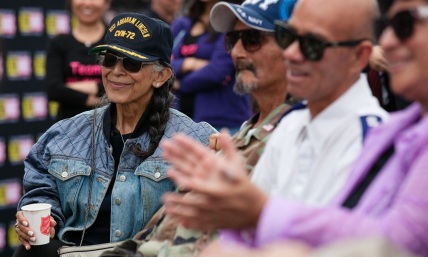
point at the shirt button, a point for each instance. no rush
(117, 233)
(122, 178)
(117, 201)
(64, 174)
(157, 173)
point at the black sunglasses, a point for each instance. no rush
(252, 39)
(109, 60)
(311, 46)
(402, 23)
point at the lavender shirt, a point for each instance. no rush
(394, 206)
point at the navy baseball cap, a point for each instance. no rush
(257, 14)
(138, 37)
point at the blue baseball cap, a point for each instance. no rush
(138, 37)
(257, 14)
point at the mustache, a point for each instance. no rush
(244, 65)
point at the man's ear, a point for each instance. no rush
(362, 55)
(162, 77)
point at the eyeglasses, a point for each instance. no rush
(311, 46)
(252, 39)
(109, 60)
(403, 23)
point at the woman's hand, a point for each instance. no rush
(25, 233)
(88, 87)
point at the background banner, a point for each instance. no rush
(25, 28)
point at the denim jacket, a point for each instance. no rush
(58, 172)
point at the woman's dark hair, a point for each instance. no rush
(159, 114)
(159, 105)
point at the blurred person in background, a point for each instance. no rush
(378, 78)
(166, 10)
(101, 170)
(205, 71)
(73, 78)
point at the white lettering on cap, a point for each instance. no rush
(264, 5)
(243, 14)
(255, 20)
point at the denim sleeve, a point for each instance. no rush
(40, 186)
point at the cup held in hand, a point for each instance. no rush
(38, 216)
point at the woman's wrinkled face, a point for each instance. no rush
(124, 87)
(408, 59)
(89, 11)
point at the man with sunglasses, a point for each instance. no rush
(259, 67)
(324, 63)
(308, 157)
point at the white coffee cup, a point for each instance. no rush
(39, 216)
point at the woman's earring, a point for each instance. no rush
(157, 85)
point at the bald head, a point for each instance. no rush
(344, 18)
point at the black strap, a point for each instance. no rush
(358, 192)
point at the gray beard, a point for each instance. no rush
(240, 87)
(244, 88)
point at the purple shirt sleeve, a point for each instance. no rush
(218, 72)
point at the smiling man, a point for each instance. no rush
(310, 155)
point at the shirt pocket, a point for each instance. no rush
(67, 169)
(154, 170)
(70, 176)
(154, 183)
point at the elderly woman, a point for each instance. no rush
(101, 170)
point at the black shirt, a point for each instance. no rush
(68, 61)
(99, 232)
